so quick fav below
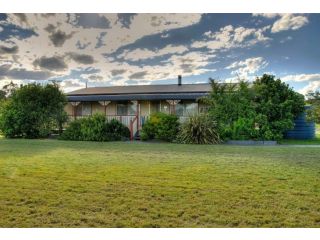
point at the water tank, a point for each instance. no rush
(302, 128)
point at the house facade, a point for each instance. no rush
(132, 105)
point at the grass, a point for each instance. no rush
(50, 183)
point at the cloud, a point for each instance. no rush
(55, 63)
(1, 29)
(6, 72)
(313, 81)
(91, 20)
(22, 17)
(125, 19)
(289, 22)
(165, 35)
(138, 75)
(266, 15)
(302, 77)
(74, 34)
(141, 54)
(248, 66)
(81, 58)
(116, 72)
(311, 87)
(95, 78)
(58, 38)
(8, 50)
(286, 21)
(69, 85)
(229, 37)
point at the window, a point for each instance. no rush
(132, 108)
(186, 109)
(122, 109)
(179, 109)
(155, 106)
(86, 108)
(126, 108)
(191, 109)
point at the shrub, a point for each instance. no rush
(199, 129)
(243, 129)
(73, 131)
(116, 131)
(148, 131)
(160, 126)
(32, 111)
(95, 128)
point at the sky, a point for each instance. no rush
(131, 49)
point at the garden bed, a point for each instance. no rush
(251, 142)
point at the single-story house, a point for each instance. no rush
(132, 105)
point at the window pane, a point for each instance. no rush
(191, 109)
(86, 109)
(132, 108)
(179, 109)
(122, 109)
(155, 106)
(78, 110)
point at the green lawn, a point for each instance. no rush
(50, 183)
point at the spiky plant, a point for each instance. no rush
(199, 129)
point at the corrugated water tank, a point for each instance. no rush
(302, 128)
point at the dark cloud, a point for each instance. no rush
(187, 68)
(157, 21)
(95, 78)
(22, 17)
(117, 72)
(55, 63)
(23, 74)
(138, 75)
(81, 58)
(125, 19)
(8, 50)
(58, 38)
(50, 28)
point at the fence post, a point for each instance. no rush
(131, 130)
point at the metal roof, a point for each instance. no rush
(143, 89)
(127, 97)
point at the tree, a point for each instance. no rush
(264, 109)
(313, 114)
(229, 102)
(2, 95)
(276, 106)
(33, 111)
(9, 88)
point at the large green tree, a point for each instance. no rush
(276, 106)
(264, 109)
(32, 111)
(314, 112)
